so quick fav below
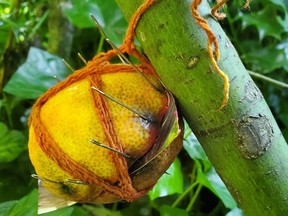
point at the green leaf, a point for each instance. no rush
(267, 59)
(235, 212)
(169, 183)
(60, 212)
(4, 34)
(27, 206)
(283, 46)
(263, 21)
(12, 183)
(283, 22)
(115, 23)
(79, 13)
(106, 12)
(6, 2)
(100, 211)
(194, 149)
(12, 144)
(212, 181)
(79, 211)
(282, 3)
(68, 211)
(36, 75)
(6, 207)
(209, 178)
(166, 210)
(140, 207)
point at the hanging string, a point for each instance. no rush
(211, 41)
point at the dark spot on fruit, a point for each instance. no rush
(66, 189)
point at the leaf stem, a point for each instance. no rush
(8, 110)
(100, 45)
(268, 79)
(38, 25)
(195, 196)
(115, 206)
(180, 198)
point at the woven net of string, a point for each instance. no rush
(98, 65)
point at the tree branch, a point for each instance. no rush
(60, 30)
(268, 79)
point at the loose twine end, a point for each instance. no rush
(214, 11)
(247, 5)
(212, 41)
(221, 3)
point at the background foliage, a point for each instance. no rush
(192, 187)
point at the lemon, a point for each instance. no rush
(65, 119)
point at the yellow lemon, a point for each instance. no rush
(86, 147)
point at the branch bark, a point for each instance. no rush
(60, 30)
(242, 140)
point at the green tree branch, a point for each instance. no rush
(242, 140)
(60, 30)
(268, 79)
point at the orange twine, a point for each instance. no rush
(128, 44)
(210, 42)
(220, 3)
(247, 4)
(214, 10)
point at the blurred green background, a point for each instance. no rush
(36, 35)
